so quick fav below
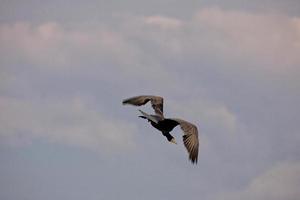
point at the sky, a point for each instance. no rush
(229, 67)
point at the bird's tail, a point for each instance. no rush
(149, 117)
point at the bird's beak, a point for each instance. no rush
(173, 141)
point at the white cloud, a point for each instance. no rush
(282, 181)
(270, 40)
(145, 50)
(68, 121)
(50, 44)
(111, 54)
(246, 42)
(257, 43)
(163, 22)
(39, 44)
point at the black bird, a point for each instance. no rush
(166, 125)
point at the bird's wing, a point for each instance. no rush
(190, 139)
(156, 102)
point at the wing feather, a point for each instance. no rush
(156, 102)
(190, 139)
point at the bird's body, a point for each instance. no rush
(166, 125)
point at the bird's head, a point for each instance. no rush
(173, 141)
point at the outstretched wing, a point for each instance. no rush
(156, 102)
(190, 139)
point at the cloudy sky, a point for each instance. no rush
(230, 67)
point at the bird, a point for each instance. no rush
(166, 125)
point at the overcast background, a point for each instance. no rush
(230, 67)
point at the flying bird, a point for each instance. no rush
(166, 125)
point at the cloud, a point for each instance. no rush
(161, 55)
(280, 182)
(272, 40)
(255, 43)
(101, 51)
(239, 41)
(51, 45)
(35, 45)
(262, 46)
(163, 22)
(211, 66)
(69, 121)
